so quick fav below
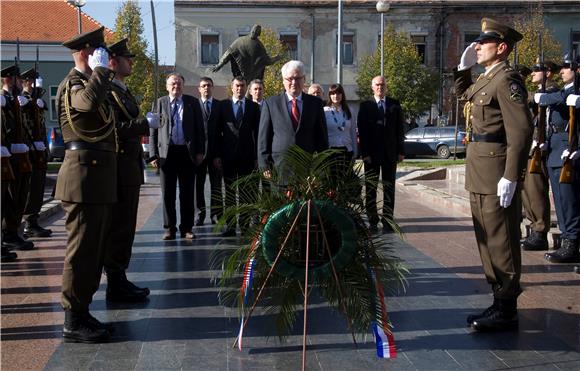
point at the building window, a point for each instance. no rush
(421, 46)
(210, 45)
(291, 43)
(53, 112)
(347, 48)
(575, 35)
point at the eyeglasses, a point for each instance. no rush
(295, 79)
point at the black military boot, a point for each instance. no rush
(567, 253)
(503, 318)
(485, 313)
(8, 256)
(88, 317)
(536, 241)
(121, 290)
(32, 229)
(77, 329)
(12, 240)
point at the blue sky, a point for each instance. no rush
(105, 12)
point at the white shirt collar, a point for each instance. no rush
(568, 86)
(379, 99)
(298, 98)
(235, 100)
(210, 100)
(174, 99)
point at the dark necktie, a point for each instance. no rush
(381, 108)
(207, 108)
(295, 114)
(239, 113)
(174, 113)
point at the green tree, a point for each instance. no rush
(273, 76)
(130, 25)
(407, 79)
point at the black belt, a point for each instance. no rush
(488, 138)
(99, 146)
(557, 129)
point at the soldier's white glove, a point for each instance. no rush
(152, 120)
(99, 58)
(573, 100)
(566, 154)
(542, 146)
(39, 146)
(505, 190)
(4, 152)
(38, 82)
(534, 145)
(539, 99)
(40, 103)
(23, 101)
(19, 148)
(468, 58)
(2, 101)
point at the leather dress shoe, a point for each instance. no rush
(169, 235)
(567, 253)
(121, 290)
(230, 232)
(78, 328)
(188, 235)
(503, 318)
(536, 241)
(34, 230)
(8, 256)
(14, 241)
(473, 317)
(98, 324)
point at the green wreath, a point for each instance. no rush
(278, 225)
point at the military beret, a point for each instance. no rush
(120, 49)
(548, 66)
(91, 39)
(492, 29)
(570, 62)
(30, 74)
(10, 71)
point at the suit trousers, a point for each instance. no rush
(233, 170)
(497, 231)
(178, 167)
(121, 237)
(536, 199)
(35, 195)
(388, 172)
(215, 182)
(567, 203)
(88, 227)
(17, 192)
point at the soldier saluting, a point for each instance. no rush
(499, 128)
(87, 181)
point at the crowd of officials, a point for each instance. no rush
(190, 138)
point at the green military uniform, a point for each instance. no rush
(87, 180)
(130, 167)
(500, 132)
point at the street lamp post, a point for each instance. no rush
(339, 45)
(78, 4)
(383, 6)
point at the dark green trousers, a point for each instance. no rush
(536, 199)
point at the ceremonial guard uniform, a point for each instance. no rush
(499, 129)
(87, 180)
(566, 195)
(15, 198)
(130, 166)
(35, 132)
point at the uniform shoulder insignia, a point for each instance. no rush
(516, 93)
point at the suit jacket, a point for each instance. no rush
(499, 107)
(239, 139)
(381, 138)
(277, 133)
(192, 122)
(213, 141)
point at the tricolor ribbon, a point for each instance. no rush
(384, 339)
(246, 288)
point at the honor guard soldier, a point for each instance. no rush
(499, 130)
(535, 190)
(87, 181)
(130, 166)
(566, 194)
(33, 108)
(14, 200)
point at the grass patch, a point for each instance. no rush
(431, 164)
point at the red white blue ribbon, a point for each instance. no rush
(246, 288)
(384, 338)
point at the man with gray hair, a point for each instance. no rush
(316, 90)
(290, 118)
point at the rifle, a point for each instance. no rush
(22, 159)
(38, 117)
(536, 163)
(567, 173)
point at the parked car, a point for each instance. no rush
(55, 143)
(429, 141)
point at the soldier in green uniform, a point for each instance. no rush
(15, 198)
(535, 190)
(499, 129)
(87, 181)
(35, 131)
(130, 128)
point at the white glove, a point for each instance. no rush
(39, 146)
(99, 58)
(152, 120)
(538, 99)
(5, 152)
(534, 145)
(40, 103)
(573, 100)
(468, 58)
(505, 191)
(38, 82)
(23, 101)
(542, 146)
(19, 148)
(2, 101)
(566, 154)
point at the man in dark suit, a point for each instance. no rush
(178, 146)
(238, 125)
(211, 162)
(381, 130)
(290, 118)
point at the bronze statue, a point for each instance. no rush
(247, 56)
